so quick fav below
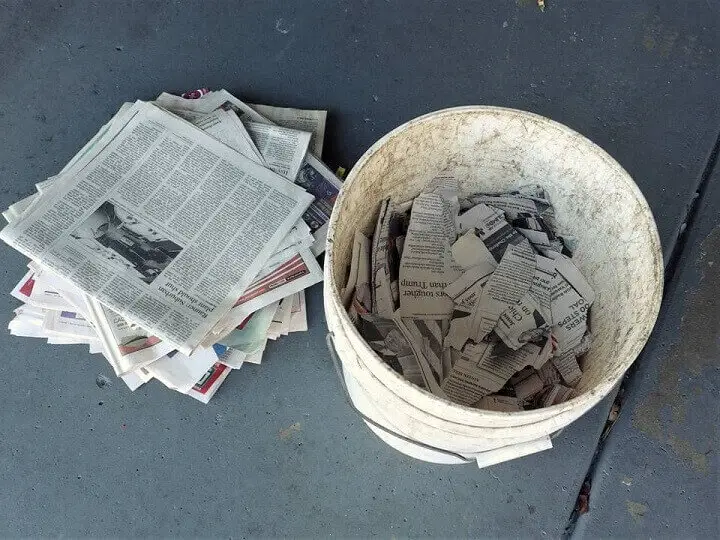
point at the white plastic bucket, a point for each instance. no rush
(491, 149)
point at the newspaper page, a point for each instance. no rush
(181, 372)
(271, 285)
(207, 386)
(361, 296)
(484, 368)
(382, 299)
(427, 265)
(148, 226)
(511, 206)
(569, 314)
(298, 319)
(221, 124)
(469, 251)
(134, 380)
(349, 290)
(35, 289)
(281, 317)
(321, 183)
(392, 341)
(557, 394)
(500, 403)
(492, 228)
(508, 284)
(127, 347)
(427, 336)
(234, 359)
(227, 128)
(521, 323)
(568, 367)
(526, 383)
(282, 149)
(300, 119)
(68, 323)
(220, 99)
(251, 334)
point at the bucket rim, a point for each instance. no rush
(595, 394)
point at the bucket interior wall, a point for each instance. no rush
(492, 150)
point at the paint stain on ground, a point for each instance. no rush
(696, 350)
(636, 510)
(288, 432)
(282, 27)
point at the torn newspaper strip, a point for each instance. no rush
(427, 265)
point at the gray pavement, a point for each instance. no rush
(640, 79)
(658, 471)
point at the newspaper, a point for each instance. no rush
(204, 389)
(298, 319)
(527, 383)
(87, 233)
(360, 296)
(315, 177)
(385, 262)
(283, 149)
(191, 109)
(427, 265)
(492, 228)
(234, 359)
(36, 290)
(68, 323)
(567, 366)
(300, 119)
(508, 284)
(181, 372)
(569, 314)
(250, 335)
(227, 128)
(135, 379)
(274, 283)
(392, 341)
(516, 317)
(127, 347)
(427, 335)
(484, 368)
(281, 318)
(62, 313)
(521, 323)
(469, 251)
(349, 290)
(557, 394)
(499, 403)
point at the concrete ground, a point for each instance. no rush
(278, 452)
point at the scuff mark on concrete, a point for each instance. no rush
(636, 510)
(288, 432)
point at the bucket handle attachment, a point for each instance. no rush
(336, 363)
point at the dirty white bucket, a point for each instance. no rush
(491, 149)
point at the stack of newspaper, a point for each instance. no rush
(475, 299)
(179, 239)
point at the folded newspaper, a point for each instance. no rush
(475, 299)
(179, 239)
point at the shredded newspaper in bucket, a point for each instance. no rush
(473, 298)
